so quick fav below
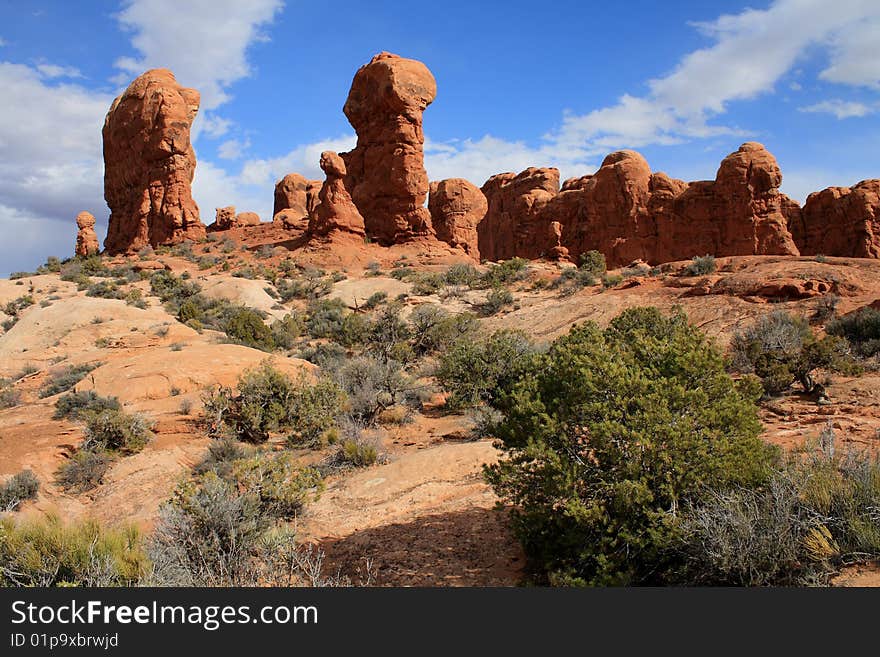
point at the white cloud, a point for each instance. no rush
(854, 59)
(213, 188)
(50, 157)
(51, 71)
(302, 159)
(752, 50)
(798, 183)
(795, 86)
(204, 42)
(232, 149)
(211, 125)
(842, 109)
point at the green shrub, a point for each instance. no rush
(609, 433)
(426, 283)
(358, 453)
(375, 299)
(222, 452)
(18, 488)
(593, 262)
(84, 471)
(611, 280)
(571, 280)
(114, 430)
(700, 266)
(285, 331)
(76, 405)
(781, 349)
(283, 486)
(433, 329)
(474, 371)
(312, 284)
(461, 274)
(269, 401)
(14, 307)
(324, 317)
(504, 273)
(9, 396)
(46, 552)
(63, 380)
(106, 290)
(135, 298)
(247, 327)
(388, 335)
(861, 329)
(497, 299)
(371, 385)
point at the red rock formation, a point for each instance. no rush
(149, 164)
(457, 207)
(514, 224)
(841, 221)
(386, 173)
(226, 219)
(336, 212)
(557, 252)
(296, 196)
(628, 213)
(87, 243)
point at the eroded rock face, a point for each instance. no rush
(629, 213)
(227, 219)
(841, 221)
(149, 164)
(457, 207)
(514, 223)
(87, 243)
(336, 211)
(386, 172)
(296, 196)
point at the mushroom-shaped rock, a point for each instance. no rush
(335, 212)
(87, 243)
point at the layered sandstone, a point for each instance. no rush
(87, 243)
(386, 173)
(335, 212)
(457, 207)
(841, 221)
(295, 199)
(149, 164)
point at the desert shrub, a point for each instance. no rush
(475, 370)
(826, 307)
(354, 330)
(172, 290)
(63, 380)
(388, 335)
(84, 471)
(222, 452)
(781, 349)
(324, 317)
(817, 513)
(9, 396)
(18, 488)
(571, 280)
(14, 307)
(135, 298)
(326, 355)
(861, 329)
(76, 405)
(312, 284)
(247, 327)
(371, 385)
(593, 262)
(105, 289)
(609, 433)
(700, 266)
(282, 485)
(426, 283)
(402, 273)
(461, 274)
(17, 275)
(285, 331)
(269, 401)
(497, 299)
(186, 406)
(434, 329)
(213, 533)
(47, 552)
(611, 280)
(114, 430)
(373, 269)
(504, 273)
(375, 300)
(358, 453)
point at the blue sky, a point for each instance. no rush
(519, 84)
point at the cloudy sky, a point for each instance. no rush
(519, 84)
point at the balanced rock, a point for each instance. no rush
(227, 219)
(149, 164)
(841, 221)
(296, 197)
(457, 207)
(336, 211)
(557, 252)
(386, 172)
(87, 243)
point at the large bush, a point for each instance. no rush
(609, 434)
(269, 401)
(18, 488)
(861, 329)
(781, 349)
